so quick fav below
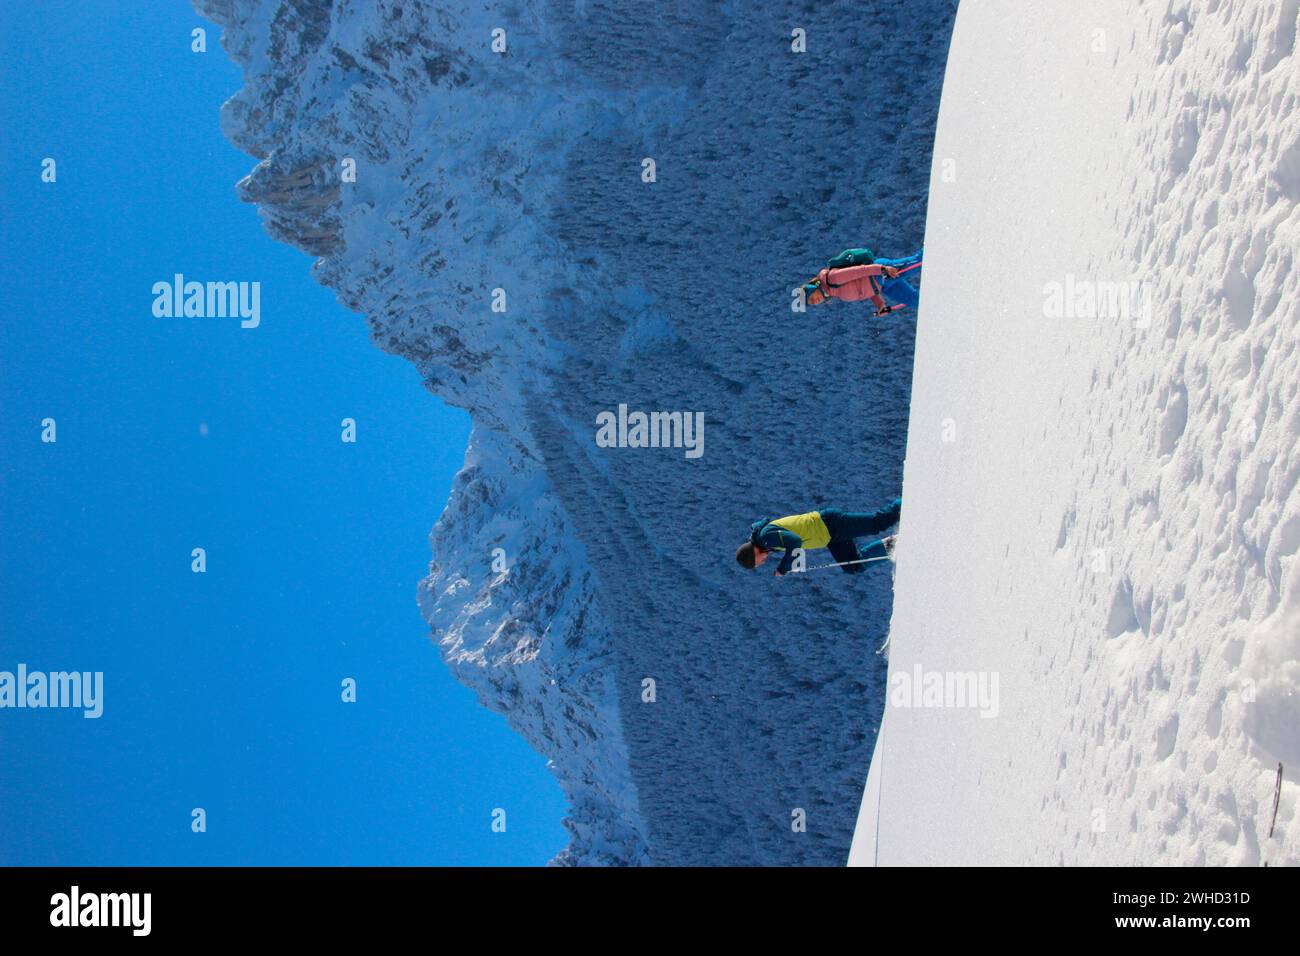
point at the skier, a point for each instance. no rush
(828, 528)
(856, 274)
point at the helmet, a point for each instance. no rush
(813, 293)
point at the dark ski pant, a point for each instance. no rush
(844, 526)
(900, 290)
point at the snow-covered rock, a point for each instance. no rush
(522, 171)
(1101, 509)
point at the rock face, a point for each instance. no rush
(691, 712)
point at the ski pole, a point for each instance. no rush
(840, 564)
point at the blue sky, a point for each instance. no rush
(222, 690)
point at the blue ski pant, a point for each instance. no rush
(900, 290)
(844, 526)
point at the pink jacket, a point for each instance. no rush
(853, 283)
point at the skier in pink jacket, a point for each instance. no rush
(856, 274)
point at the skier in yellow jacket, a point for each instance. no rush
(828, 528)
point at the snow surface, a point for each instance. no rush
(1113, 531)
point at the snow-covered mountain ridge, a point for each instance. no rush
(522, 171)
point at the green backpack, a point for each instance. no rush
(852, 257)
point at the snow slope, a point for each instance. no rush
(521, 171)
(1112, 529)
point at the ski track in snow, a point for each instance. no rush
(1114, 530)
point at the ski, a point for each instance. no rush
(891, 543)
